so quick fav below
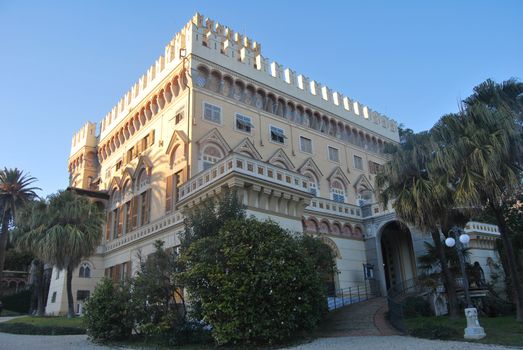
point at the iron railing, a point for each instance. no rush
(354, 294)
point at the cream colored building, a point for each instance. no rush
(213, 114)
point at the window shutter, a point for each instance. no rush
(120, 221)
(151, 138)
(108, 226)
(169, 193)
(134, 212)
(128, 270)
(147, 207)
(117, 273)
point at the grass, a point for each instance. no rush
(58, 325)
(502, 330)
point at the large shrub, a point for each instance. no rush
(256, 283)
(19, 302)
(108, 312)
(416, 306)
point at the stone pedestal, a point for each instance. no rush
(473, 330)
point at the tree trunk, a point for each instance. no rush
(511, 260)
(40, 289)
(448, 278)
(70, 301)
(3, 244)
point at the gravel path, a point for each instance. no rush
(391, 343)
(80, 342)
(47, 342)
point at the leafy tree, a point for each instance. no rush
(207, 219)
(321, 255)
(15, 191)
(160, 304)
(108, 313)
(256, 282)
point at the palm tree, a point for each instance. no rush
(420, 197)
(15, 191)
(507, 94)
(481, 149)
(70, 232)
(31, 227)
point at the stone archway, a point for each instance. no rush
(399, 264)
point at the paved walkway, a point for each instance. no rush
(362, 319)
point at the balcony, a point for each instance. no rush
(327, 206)
(146, 230)
(249, 167)
(480, 227)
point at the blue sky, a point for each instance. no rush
(65, 62)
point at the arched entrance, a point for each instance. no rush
(399, 264)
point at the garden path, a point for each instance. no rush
(361, 319)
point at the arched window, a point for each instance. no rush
(338, 191)
(85, 271)
(314, 187)
(210, 155)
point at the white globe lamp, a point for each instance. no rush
(464, 239)
(450, 242)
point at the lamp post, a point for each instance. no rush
(473, 330)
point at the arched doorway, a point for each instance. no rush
(399, 264)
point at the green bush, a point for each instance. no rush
(24, 328)
(256, 283)
(416, 306)
(19, 302)
(108, 312)
(157, 313)
(434, 331)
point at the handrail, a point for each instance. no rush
(353, 294)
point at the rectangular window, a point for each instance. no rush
(179, 116)
(358, 162)
(374, 167)
(305, 144)
(212, 113)
(82, 294)
(338, 198)
(53, 297)
(243, 123)
(134, 212)
(334, 154)
(277, 135)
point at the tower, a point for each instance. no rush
(83, 159)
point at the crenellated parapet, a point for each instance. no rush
(220, 44)
(230, 49)
(86, 136)
(148, 81)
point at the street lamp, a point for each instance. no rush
(473, 330)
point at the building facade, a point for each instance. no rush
(213, 114)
